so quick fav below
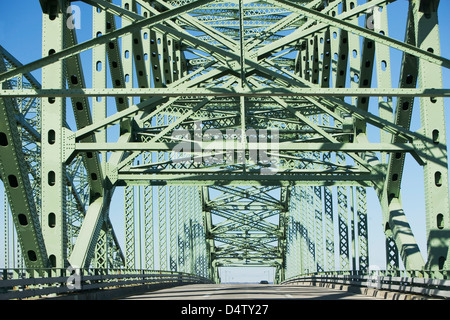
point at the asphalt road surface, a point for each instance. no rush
(248, 291)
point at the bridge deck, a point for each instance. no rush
(247, 291)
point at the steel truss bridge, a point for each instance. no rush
(239, 132)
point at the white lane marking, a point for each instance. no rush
(288, 296)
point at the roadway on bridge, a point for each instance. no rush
(248, 291)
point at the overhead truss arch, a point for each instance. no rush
(242, 136)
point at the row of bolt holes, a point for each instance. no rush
(138, 57)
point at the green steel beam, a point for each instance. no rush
(219, 92)
(394, 173)
(83, 117)
(432, 113)
(199, 147)
(84, 248)
(18, 189)
(52, 127)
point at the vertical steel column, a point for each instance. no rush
(399, 236)
(400, 240)
(113, 261)
(211, 269)
(293, 255)
(360, 61)
(132, 193)
(149, 245)
(71, 212)
(53, 119)
(6, 229)
(294, 238)
(299, 62)
(162, 221)
(173, 227)
(99, 64)
(433, 125)
(191, 238)
(314, 59)
(172, 190)
(99, 110)
(318, 209)
(317, 190)
(129, 228)
(329, 227)
(339, 47)
(205, 255)
(177, 57)
(301, 199)
(181, 203)
(354, 54)
(155, 58)
(141, 48)
(148, 222)
(363, 241)
(283, 224)
(20, 263)
(403, 112)
(334, 51)
(145, 58)
(311, 230)
(305, 60)
(127, 53)
(157, 54)
(344, 254)
(289, 244)
(328, 207)
(101, 250)
(290, 236)
(383, 65)
(301, 196)
(195, 232)
(201, 239)
(299, 267)
(138, 217)
(392, 258)
(187, 232)
(352, 228)
(326, 58)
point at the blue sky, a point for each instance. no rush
(20, 34)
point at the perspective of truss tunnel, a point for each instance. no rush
(240, 131)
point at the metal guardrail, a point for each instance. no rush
(35, 283)
(382, 280)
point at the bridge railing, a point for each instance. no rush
(35, 283)
(424, 283)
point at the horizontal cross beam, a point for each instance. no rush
(235, 92)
